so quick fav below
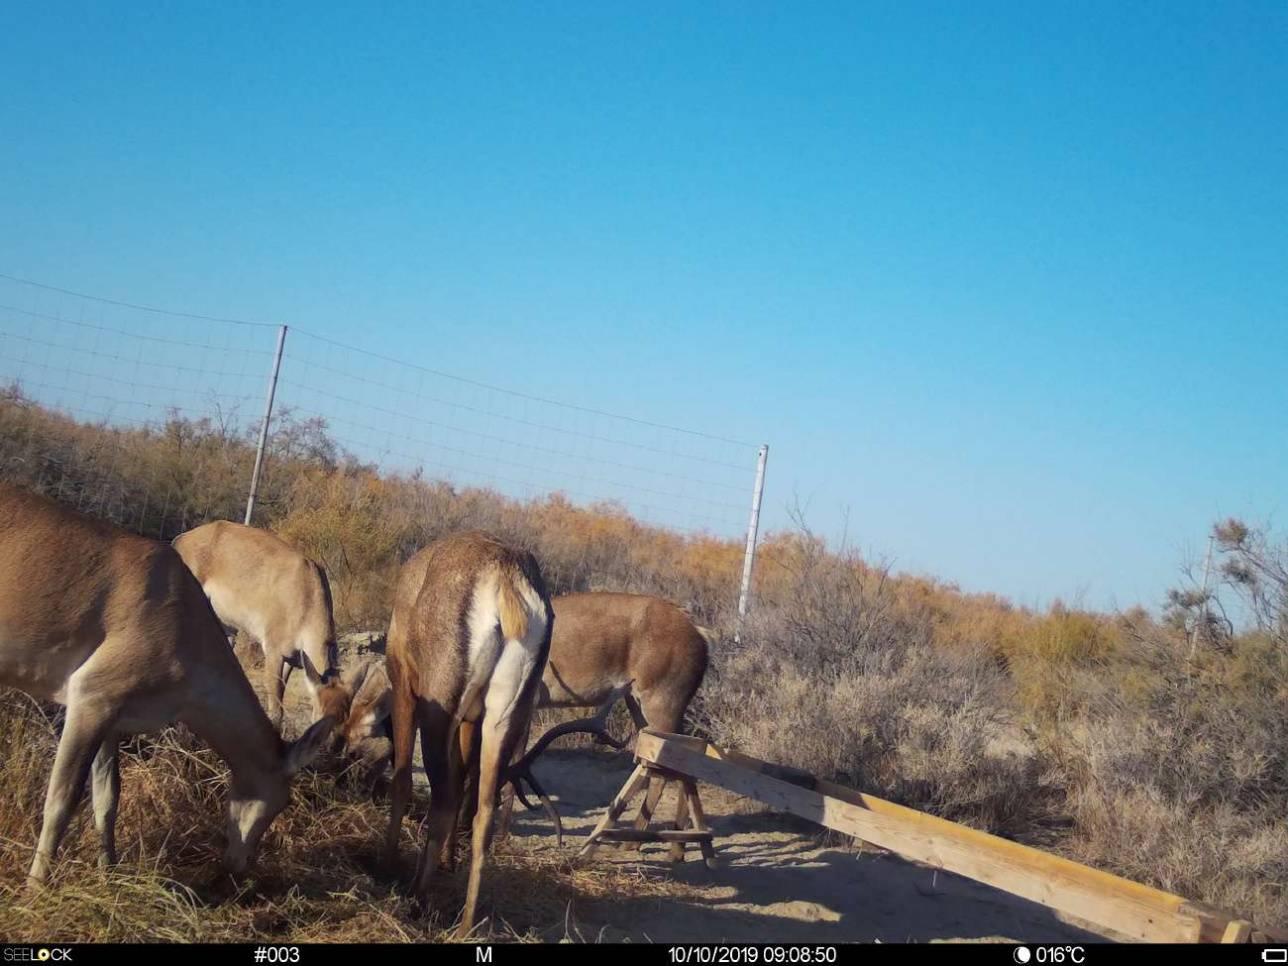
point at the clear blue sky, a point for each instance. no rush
(1007, 281)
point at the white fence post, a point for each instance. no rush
(263, 427)
(753, 526)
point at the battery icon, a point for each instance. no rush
(1274, 955)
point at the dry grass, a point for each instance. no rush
(316, 881)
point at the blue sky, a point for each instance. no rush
(1006, 281)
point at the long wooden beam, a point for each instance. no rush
(1130, 908)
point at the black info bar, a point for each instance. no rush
(663, 954)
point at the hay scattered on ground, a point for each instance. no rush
(317, 880)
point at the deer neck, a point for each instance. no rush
(231, 720)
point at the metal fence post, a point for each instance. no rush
(753, 526)
(263, 427)
(1201, 620)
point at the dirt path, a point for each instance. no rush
(779, 881)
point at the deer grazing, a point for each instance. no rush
(606, 641)
(264, 587)
(367, 733)
(114, 627)
(644, 648)
(467, 643)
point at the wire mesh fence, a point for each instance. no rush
(408, 418)
(196, 386)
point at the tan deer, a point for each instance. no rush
(264, 587)
(467, 643)
(367, 733)
(605, 644)
(115, 627)
(606, 641)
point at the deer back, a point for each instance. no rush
(430, 634)
(603, 641)
(260, 584)
(71, 585)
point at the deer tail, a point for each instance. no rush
(511, 608)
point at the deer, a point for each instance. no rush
(367, 733)
(114, 627)
(604, 647)
(468, 640)
(261, 585)
(645, 649)
(647, 646)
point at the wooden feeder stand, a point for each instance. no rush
(691, 820)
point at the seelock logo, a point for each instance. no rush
(37, 954)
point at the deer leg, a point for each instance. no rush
(83, 733)
(437, 749)
(402, 719)
(105, 791)
(493, 758)
(664, 711)
(507, 708)
(276, 672)
(507, 794)
(462, 766)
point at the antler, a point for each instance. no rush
(527, 776)
(521, 770)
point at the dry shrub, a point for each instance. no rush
(1218, 854)
(160, 479)
(1058, 661)
(924, 734)
(834, 678)
(1184, 783)
(347, 521)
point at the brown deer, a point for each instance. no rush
(264, 587)
(114, 627)
(367, 733)
(604, 644)
(467, 643)
(606, 641)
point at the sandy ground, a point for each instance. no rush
(781, 879)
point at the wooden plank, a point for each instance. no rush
(634, 785)
(656, 786)
(1238, 931)
(1212, 921)
(700, 821)
(794, 776)
(686, 741)
(1108, 900)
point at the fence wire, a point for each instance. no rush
(199, 382)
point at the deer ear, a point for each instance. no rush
(305, 748)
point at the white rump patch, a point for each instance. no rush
(498, 669)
